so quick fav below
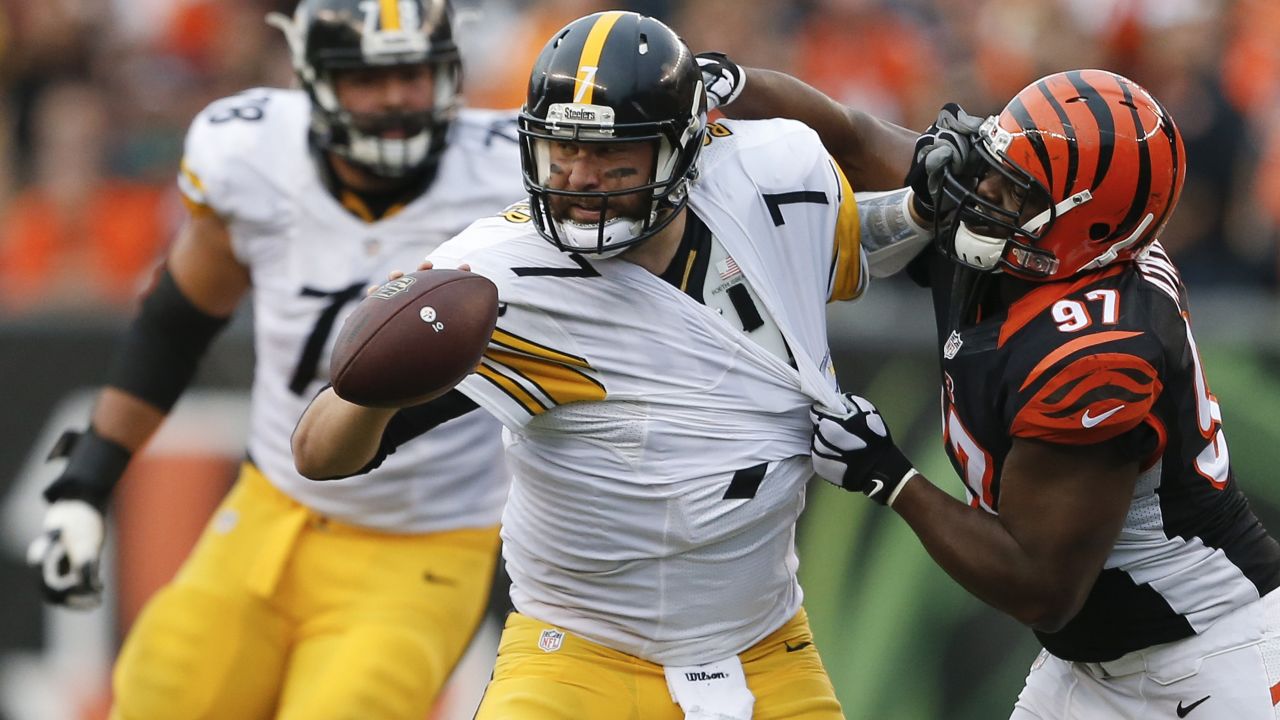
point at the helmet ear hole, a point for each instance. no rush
(1099, 231)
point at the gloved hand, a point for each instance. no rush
(66, 554)
(723, 78)
(947, 144)
(855, 451)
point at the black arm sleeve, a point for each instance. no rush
(412, 422)
(159, 354)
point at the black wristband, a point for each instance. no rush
(94, 466)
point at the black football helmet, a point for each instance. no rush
(327, 36)
(613, 77)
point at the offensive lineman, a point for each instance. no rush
(661, 340)
(305, 601)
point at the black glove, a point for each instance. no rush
(947, 144)
(723, 78)
(855, 451)
(67, 552)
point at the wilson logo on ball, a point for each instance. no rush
(393, 288)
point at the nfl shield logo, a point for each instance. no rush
(953, 345)
(551, 640)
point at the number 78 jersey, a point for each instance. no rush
(311, 255)
(1109, 357)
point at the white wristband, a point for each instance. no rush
(894, 495)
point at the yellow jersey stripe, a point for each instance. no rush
(688, 270)
(390, 11)
(191, 176)
(196, 209)
(584, 85)
(847, 281)
(352, 202)
(531, 404)
(519, 344)
(559, 382)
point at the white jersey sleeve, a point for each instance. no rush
(799, 190)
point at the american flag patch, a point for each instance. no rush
(728, 268)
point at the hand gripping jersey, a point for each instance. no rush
(660, 455)
(1109, 356)
(247, 160)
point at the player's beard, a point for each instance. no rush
(632, 206)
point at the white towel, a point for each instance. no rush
(712, 691)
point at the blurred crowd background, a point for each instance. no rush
(97, 95)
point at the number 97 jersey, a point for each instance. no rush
(1109, 357)
(311, 255)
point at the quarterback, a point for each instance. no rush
(661, 339)
(1102, 510)
(302, 600)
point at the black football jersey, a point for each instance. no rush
(1109, 356)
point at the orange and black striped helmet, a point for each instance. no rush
(1097, 163)
(613, 77)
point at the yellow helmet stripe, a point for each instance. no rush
(589, 62)
(390, 13)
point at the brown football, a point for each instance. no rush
(414, 338)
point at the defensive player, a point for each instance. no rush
(661, 339)
(1101, 507)
(302, 600)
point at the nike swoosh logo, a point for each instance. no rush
(879, 485)
(1090, 421)
(434, 579)
(1185, 711)
(805, 644)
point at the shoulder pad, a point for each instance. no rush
(238, 144)
(1089, 389)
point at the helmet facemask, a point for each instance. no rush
(989, 236)
(391, 144)
(661, 196)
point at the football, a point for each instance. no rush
(414, 338)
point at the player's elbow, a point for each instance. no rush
(309, 458)
(316, 459)
(1051, 609)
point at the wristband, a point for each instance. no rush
(94, 466)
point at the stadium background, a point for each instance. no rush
(97, 95)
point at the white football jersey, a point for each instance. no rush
(660, 454)
(247, 160)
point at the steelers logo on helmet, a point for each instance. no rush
(613, 80)
(1088, 167)
(328, 37)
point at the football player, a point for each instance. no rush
(303, 600)
(661, 340)
(1101, 509)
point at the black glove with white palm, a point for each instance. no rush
(723, 78)
(855, 451)
(946, 144)
(66, 553)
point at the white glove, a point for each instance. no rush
(722, 78)
(67, 553)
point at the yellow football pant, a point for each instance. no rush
(582, 680)
(281, 613)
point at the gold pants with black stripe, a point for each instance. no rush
(280, 613)
(582, 680)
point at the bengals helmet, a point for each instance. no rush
(1093, 158)
(328, 36)
(613, 77)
